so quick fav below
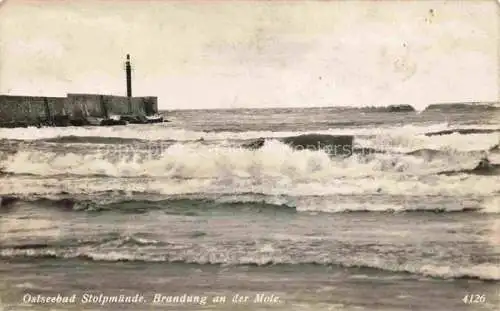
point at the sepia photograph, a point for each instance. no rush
(282, 155)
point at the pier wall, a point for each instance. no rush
(80, 106)
(150, 104)
(96, 105)
(124, 106)
(29, 109)
(32, 110)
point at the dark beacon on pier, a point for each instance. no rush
(80, 109)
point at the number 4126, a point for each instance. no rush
(474, 298)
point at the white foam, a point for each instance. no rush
(483, 271)
(406, 142)
(166, 131)
(274, 169)
(491, 205)
(275, 159)
(266, 255)
(279, 186)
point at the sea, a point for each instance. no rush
(181, 215)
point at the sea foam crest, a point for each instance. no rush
(267, 256)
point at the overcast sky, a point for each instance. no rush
(220, 54)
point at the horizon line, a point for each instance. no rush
(345, 107)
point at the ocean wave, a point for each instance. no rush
(113, 239)
(490, 170)
(158, 132)
(484, 271)
(380, 140)
(252, 203)
(331, 144)
(200, 161)
(273, 185)
(91, 139)
(463, 131)
(453, 143)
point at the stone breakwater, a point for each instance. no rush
(76, 110)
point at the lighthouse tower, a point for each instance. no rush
(128, 72)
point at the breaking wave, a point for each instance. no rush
(251, 203)
(91, 139)
(263, 257)
(159, 132)
(202, 161)
(463, 131)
